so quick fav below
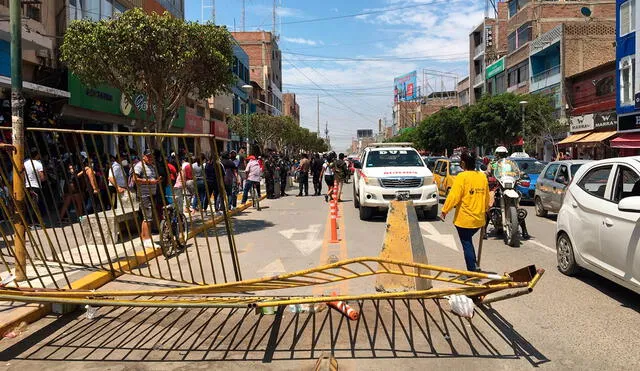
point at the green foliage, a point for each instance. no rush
(162, 57)
(494, 120)
(278, 132)
(441, 131)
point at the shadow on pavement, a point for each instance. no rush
(241, 226)
(386, 329)
(626, 297)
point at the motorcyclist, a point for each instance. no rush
(501, 166)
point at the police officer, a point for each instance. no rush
(269, 173)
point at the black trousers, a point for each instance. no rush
(317, 183)
(270, 185)
(304, 184)
(283, 185)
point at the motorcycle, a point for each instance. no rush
(506, 214)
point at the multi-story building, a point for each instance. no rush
(627, 78)
(265, 65)
(291, 107)
(463, 92)
(481, 41)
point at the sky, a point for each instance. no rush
(348, 52)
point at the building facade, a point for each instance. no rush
(265, 65)
(463, 92)
(291, 107)
(481, 46)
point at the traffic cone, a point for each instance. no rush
(345, 309)
(334, 224)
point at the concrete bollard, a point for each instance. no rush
(403, 241)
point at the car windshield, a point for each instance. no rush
(574, 168)
(394, 158)
(455, 168)
(530, 166)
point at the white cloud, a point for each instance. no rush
(300, 40)
(282, 11)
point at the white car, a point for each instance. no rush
(599, 222)
(389, 171)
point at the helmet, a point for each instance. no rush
(501, 151)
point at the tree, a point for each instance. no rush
(265, 130)
(441, 131)
(540, 124)
(160, 57)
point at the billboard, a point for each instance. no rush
(405, 87)
(365, 133)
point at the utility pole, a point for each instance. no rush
(319, 117)
(17, 135)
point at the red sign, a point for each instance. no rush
(193, 124)
(220, 129)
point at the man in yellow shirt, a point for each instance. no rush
(470, 196)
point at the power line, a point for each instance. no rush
(381, 58)
(371, 12)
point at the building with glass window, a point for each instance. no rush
(627, 78)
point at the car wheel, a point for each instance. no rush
(540, 211)
(365, 213)
(564, 252)
(356, 201)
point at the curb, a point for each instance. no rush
(95, 280)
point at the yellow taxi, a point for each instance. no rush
(444, 173)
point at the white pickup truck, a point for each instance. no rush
(389, 171)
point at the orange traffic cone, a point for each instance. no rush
(345, 309)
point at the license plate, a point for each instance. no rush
(403, 195)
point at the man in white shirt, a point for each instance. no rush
(117, 181)
(33, 177)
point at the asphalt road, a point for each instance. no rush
(567, 323)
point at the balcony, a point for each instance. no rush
(545, 79)
(478, 51)
(478, 79)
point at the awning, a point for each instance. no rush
(37, 89)
(631, 140)
(572, 138)
(597, 137)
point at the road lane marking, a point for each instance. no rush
(446, 240)
(540, 244)
(272, 269)
(310, 238)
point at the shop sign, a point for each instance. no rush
(495, 68)
(581, 123)
(605, 120)
(629, 122)
(102, 98)
(193, 124)
(219, 129)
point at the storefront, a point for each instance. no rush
(221, 130)
(591, 135)
(628, 141)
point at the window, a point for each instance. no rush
(563, 175)
(515, 6)
(605, 86)
(594, 182)
(512, 41)
(518, 74)
(394, 158)
(574, 169)
(627, 80)
(627, 17)
(550, 174)
(519, 37)
(627, 184)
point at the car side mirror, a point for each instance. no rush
(631, 204)
(357, 165)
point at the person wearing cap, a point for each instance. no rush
(145, 178)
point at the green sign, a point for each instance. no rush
(101, 98)
(110, 100)
(495, 68)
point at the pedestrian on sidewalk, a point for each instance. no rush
(198, 203)
(72, 193)
(231, 179)
(211, 177)
(91, 186)
(303, 175)
(284, 172)
(117, 181)
(269, 169)
(254, 173)
(470, 196)
(188, 185)
(316, 171)
(145, 177)
(34, 175)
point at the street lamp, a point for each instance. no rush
(523, 103)
(247, 89)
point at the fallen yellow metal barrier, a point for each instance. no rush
(473, 284)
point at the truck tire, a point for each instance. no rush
(356, 200)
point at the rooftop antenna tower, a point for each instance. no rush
(242, 20)
(208, 4)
